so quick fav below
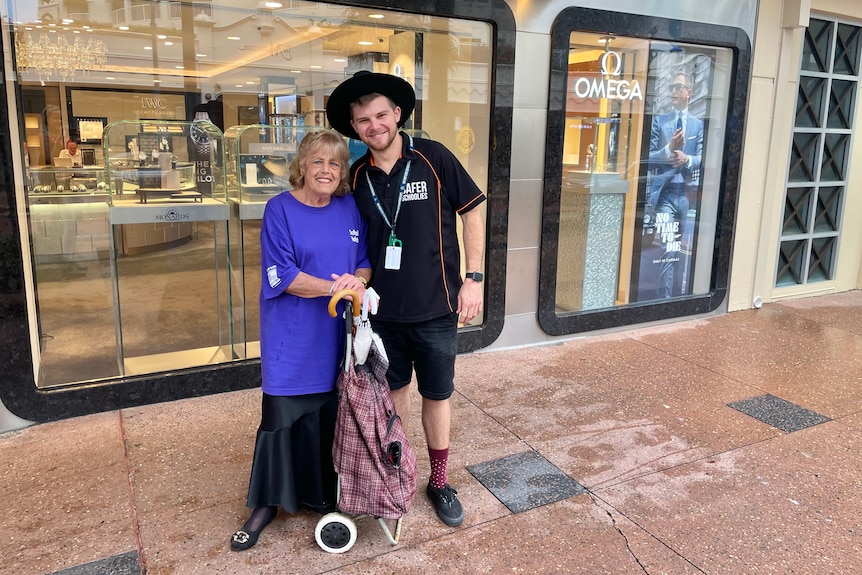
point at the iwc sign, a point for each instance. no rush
(610, 85)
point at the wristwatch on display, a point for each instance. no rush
(475, 276)
(199, 137)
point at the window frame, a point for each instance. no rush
(651, 28)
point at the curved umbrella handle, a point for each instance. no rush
(337, 296)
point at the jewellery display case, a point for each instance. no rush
(67, 214)
(48, 181)
(258, 158)
(169, 221)
(68, 210)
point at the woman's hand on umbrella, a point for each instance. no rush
(347, 281)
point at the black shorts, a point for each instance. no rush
(429, 347)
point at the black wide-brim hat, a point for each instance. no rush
(362, 83)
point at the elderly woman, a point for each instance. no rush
(312, 245)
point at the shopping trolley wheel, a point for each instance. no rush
(335, 533)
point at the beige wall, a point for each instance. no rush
(765, 154)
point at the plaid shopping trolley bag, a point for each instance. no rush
(375, 463)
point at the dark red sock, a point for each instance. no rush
(439, 461)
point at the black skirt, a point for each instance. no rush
(293, 453)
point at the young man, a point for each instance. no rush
(410, 190)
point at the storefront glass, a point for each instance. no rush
(642, 154)
(107, 285)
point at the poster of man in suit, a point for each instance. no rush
(672, 184)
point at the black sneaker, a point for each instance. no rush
(446, 503)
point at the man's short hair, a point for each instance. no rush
(684, 75)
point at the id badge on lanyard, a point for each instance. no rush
(392, 260)
(393, 254)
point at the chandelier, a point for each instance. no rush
(58, 59)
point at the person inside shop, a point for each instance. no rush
(676, 144)
(410, 192)
(73, 153)
(313, 244)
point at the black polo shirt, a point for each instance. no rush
(437, 188)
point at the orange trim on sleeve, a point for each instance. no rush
(439, 227)
(470, 205)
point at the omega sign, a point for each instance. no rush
(609, 85)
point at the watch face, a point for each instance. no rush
(475, 276)
(198, 134)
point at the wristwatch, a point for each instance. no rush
(475, 276)
(198, 134)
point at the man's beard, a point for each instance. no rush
(377, 147)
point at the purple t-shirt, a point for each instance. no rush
(301, 346)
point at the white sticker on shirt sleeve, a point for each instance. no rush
(272, 276)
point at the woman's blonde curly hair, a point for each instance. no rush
(325, 141)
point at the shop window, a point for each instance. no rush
(635, 189)
(820, 153)
(123, 289)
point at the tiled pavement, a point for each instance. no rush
(731, 444)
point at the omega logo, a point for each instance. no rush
(604, 63)
(612, 88)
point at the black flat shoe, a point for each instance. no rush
(246, 537)
(242, 540)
